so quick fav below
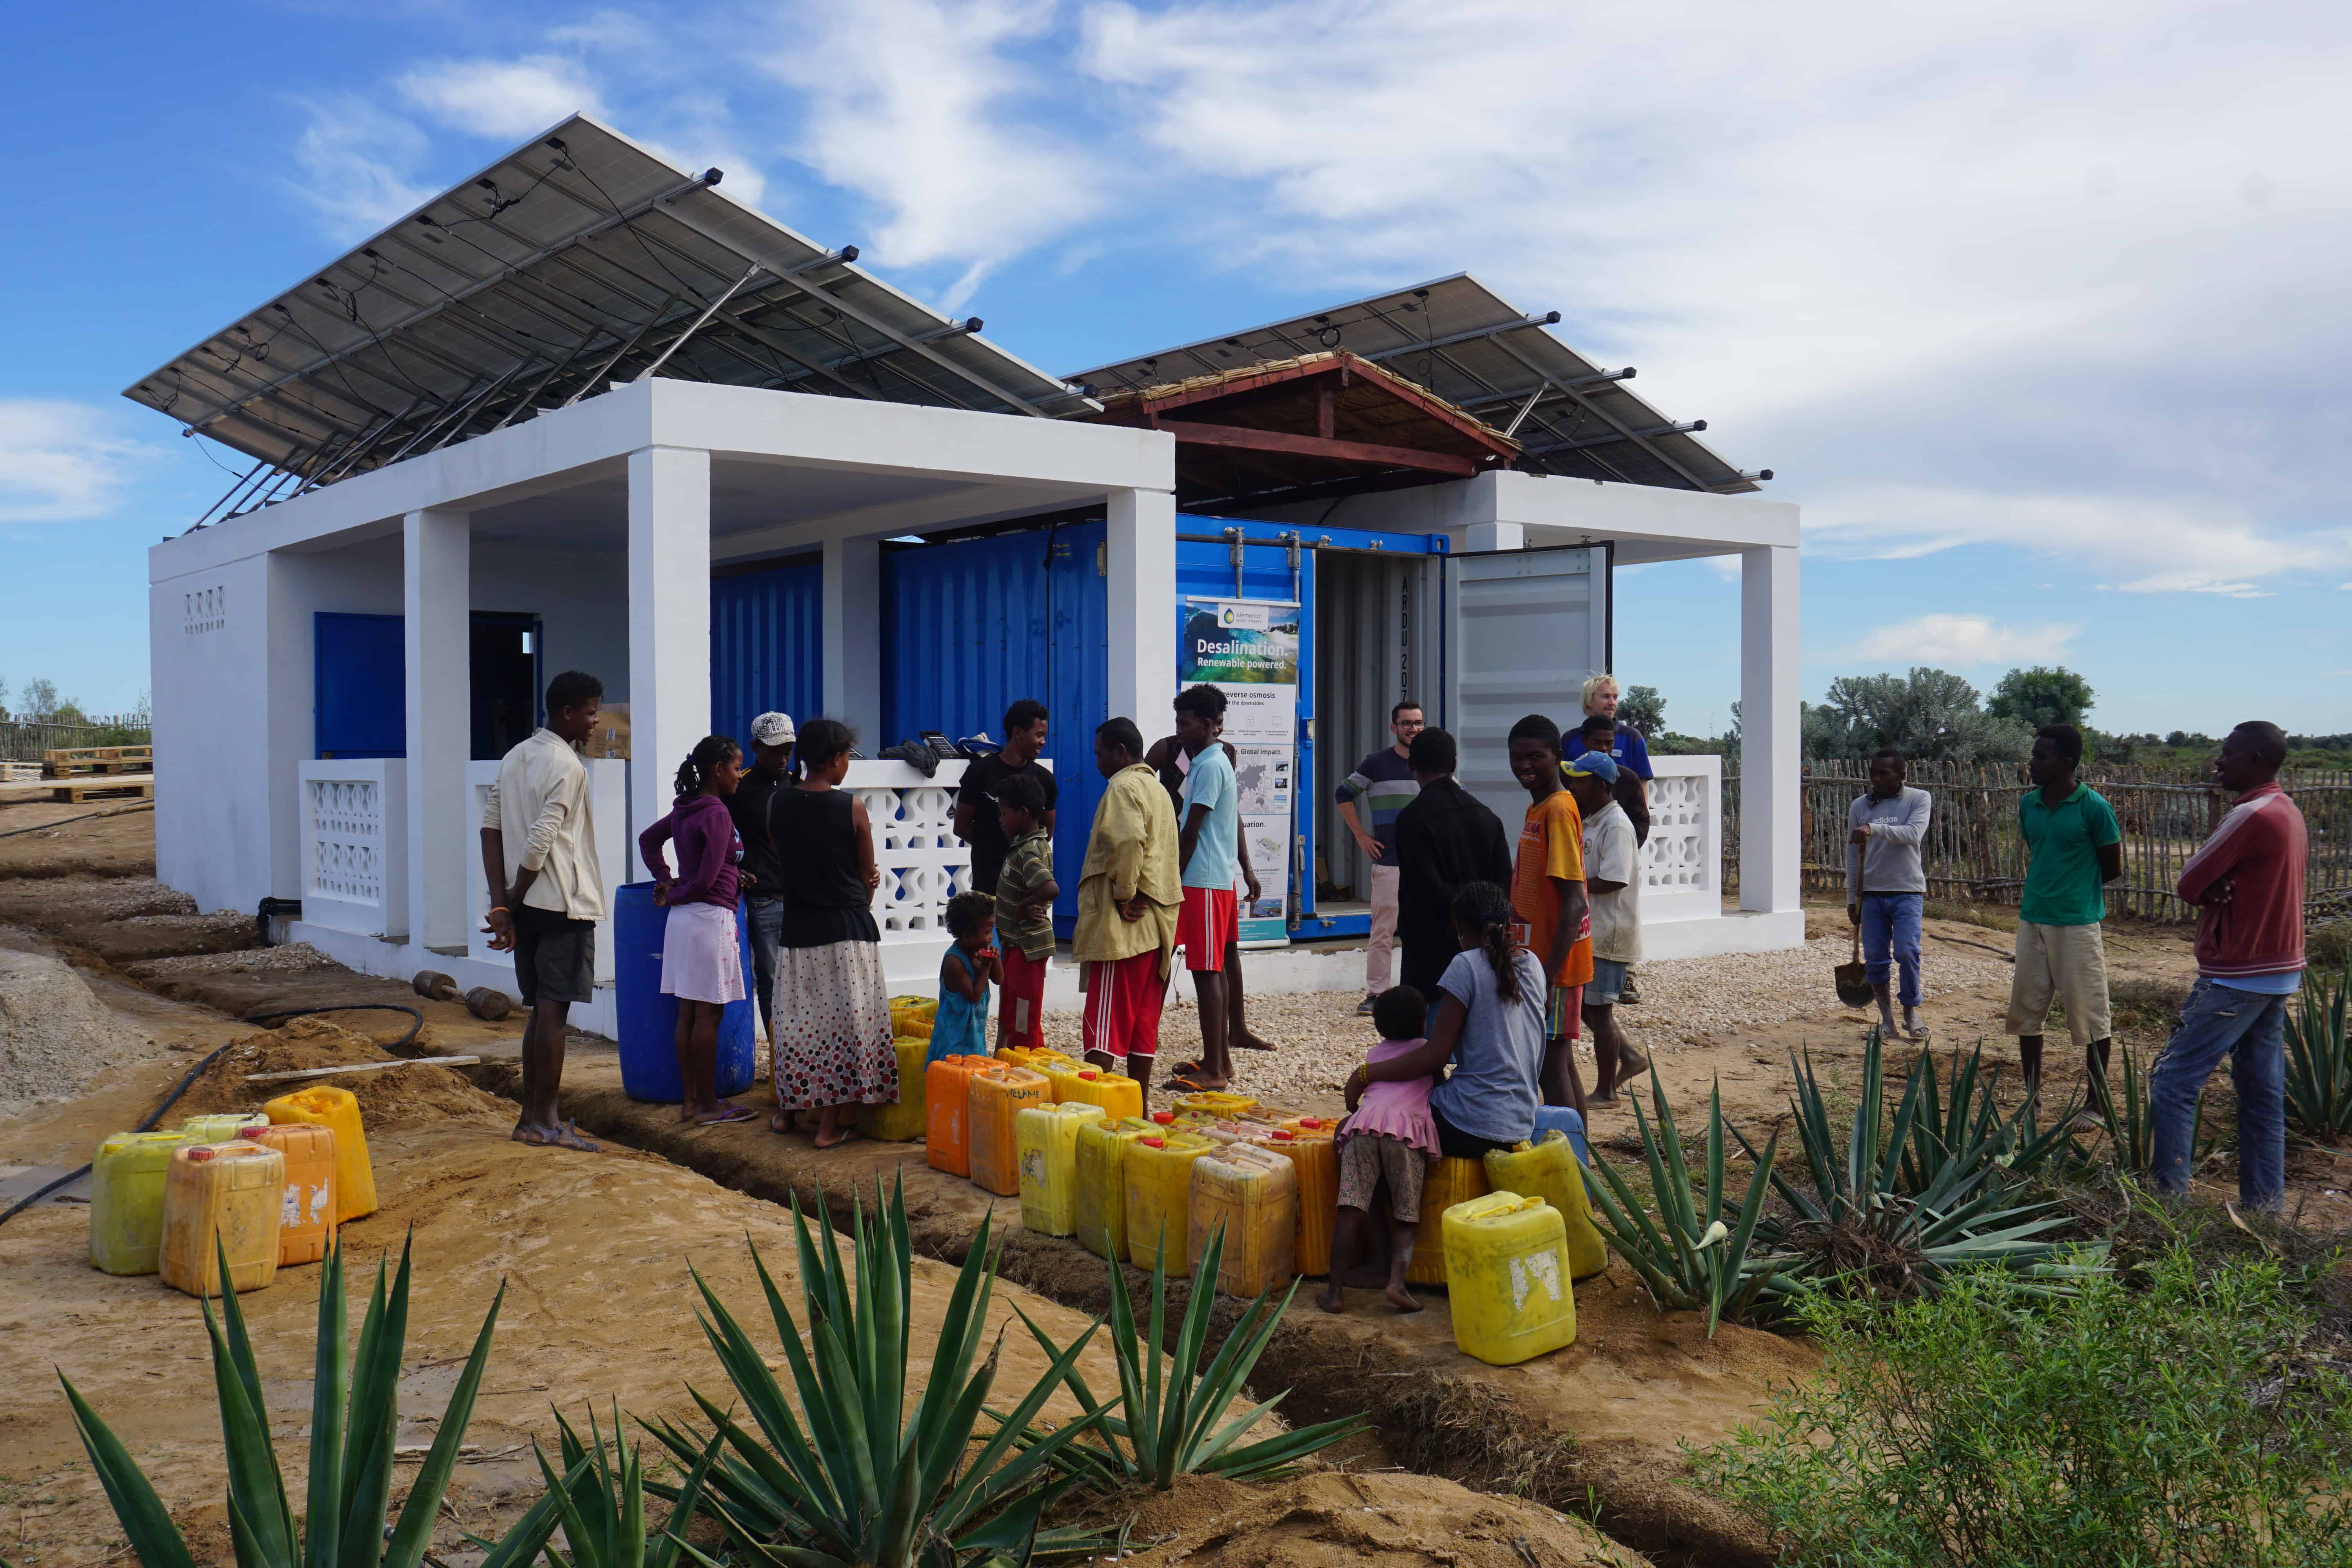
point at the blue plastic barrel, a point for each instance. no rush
(647, 1020)
(1547, 1118)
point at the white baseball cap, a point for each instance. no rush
(772, 729)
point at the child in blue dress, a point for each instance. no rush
(961, 1026)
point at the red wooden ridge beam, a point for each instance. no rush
(1136, 408)
(1246, 439)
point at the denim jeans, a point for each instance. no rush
(766, 919)
(2251, 1029)
(1891, 921)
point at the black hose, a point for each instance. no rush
(414, 1028)
(45, 826)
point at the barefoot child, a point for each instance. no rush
(1026, 891)
(702, 962)
(1390, 1133)
(961, 1026)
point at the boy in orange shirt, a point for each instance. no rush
(1553, 918)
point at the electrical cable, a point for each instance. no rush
(21, 1205)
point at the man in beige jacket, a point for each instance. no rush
(1128, 895)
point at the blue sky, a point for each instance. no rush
(2038, 308)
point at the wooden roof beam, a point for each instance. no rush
(1237, 436)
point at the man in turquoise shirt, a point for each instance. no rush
(2075, 847)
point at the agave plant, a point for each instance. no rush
(1163, 1427)
(850, 1479)
(1892, 1206)
(1691, 1259)
(1968, 1127)
(2319, 1056)
(603, 1505)
(353, 1420)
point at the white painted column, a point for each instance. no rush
(1771, 739)
(669, 620)
(852, 603)
(436, 631)
(1140, 562)
(1495, 536)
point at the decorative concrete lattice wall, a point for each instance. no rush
(1680, 856)
(923, 863)
(204, 610)
(347, 839)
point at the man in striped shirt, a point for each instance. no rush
(1384, 783)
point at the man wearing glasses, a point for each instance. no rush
(1384, 782)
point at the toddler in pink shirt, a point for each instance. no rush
(1388, 1136)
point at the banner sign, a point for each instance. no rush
(1248, 649)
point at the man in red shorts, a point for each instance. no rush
(1127, 897)
(1209, 850)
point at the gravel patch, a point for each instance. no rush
(55, 1035)
(1684, 1001)
(292, 958)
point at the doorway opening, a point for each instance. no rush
(505, 655)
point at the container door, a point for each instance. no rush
(1523, 628)
(359, 703)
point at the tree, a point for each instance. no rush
(1930, 715)
(1643, 709)
(40, 699)
(2041, 696)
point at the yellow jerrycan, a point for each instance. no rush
(1214, 1104)
(1159, 1199)
(998, 1095)
(339, 1110)
(1449, 1182)
(1506, 1256)
(912, 1015)
(126, 1200)
(1119, 1095)
(1316, 1161)
(1252, 1193)
(901, 1120)
(235, 1191)
(1098, 1219)
(306, 1221)
(221, 1126)
(1048, 1138)
(1547, 1169)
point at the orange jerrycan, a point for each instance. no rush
(1159, 1199)
(1048, 1138)
(1253, 1194)
(1547, 1169)
(1119, 1095)
(126, 1200)
(232, 1191)
(1316, 1161)
(338, 1110)
(900, 1121)
(1449, 1182)
(1099, 1218)
(306, 1220)
(999, 1095)
(1509, 1293)
(947, 1107)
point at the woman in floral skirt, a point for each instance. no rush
(831, 1033)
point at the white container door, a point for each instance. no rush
(1523, 628)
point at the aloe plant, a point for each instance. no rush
(1175, 1423)
(603, 1505)
(850, 1479)
(1690, 1259)
(353, 1415)
(2319, 1055)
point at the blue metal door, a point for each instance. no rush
(360, 673)
(767, 647)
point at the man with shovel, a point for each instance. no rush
(1886, 886)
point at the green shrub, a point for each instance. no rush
(2192, 1422)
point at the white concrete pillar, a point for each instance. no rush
(1770, 740)
(436, 632)
(851, 604)
(669, 620)
(1495, 536)
(1140, 562)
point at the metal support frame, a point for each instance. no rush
(1548, 319)
(1679, 428)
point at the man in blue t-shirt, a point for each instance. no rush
(1209, 849)
(1632, 755)
(1383, 784)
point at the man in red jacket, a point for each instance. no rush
(2247, 884)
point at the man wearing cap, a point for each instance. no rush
(1611, 878)
(764, 878)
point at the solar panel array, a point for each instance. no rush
(1474, 348)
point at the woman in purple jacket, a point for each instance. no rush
(702, 962)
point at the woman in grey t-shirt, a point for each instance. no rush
(1488, 1025)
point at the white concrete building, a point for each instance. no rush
(597, 521)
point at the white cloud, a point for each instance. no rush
(1947, 639)
(355, 164)
(511, 98)
(59, 461)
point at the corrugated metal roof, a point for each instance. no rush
(577, 260)
(1468, 345)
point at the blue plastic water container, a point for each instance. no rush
(647, 1020)
(1548, 1116)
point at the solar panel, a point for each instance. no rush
(1465, 343)
(578, 259)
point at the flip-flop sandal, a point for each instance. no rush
(850, 1135)
(732, 1113)
(567, 1136)
(1190, 1085)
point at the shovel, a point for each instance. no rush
(1853, 978)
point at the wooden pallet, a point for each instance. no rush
(19, 772)
(71, 761)
(139, 786)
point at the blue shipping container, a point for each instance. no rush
(767, 647)
(360, 697)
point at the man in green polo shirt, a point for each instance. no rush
(2076, 846)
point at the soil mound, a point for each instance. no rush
(1383, 1519)
(54, 903)
(101, 842)
(389, 1100)
(55, 1035)
(163, 936)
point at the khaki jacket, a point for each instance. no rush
(1131, 849)
(540, 807)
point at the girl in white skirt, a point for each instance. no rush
(702, 961)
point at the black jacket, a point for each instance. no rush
(1446, 838)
